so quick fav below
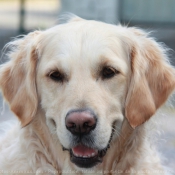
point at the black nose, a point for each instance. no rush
(80, 122)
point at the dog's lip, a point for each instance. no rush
(86, 157)
(84, 151)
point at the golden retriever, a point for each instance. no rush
(83, 92)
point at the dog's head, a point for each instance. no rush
(87, 77)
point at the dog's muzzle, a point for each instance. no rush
(81, 123)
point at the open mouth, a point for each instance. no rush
(86, 157)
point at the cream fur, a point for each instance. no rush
(80, 49)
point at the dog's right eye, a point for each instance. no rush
(56, 76)
(108, 72)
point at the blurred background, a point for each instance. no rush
(22, 16)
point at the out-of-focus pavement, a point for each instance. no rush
(166, 139)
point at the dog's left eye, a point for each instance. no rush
(56, 76)
(109, 72)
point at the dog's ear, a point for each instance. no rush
(152, 79)
(17, 78)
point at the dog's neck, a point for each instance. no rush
(60, 159)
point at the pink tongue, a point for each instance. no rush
(82, 150)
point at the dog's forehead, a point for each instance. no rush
(84, 41)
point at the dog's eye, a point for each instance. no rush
(109, 72)
(56, 76)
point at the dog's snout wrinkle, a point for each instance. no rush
(80, 122)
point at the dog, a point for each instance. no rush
(84, 92)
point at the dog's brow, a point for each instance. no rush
(55, 66)
(115, 62)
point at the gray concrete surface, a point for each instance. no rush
(166, 139)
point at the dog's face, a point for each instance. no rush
(82, 83)
(87, 77)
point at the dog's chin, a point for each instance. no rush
(86, 157)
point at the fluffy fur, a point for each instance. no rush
(79, 51)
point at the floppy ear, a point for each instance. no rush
(17, 78)
(152, 79)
